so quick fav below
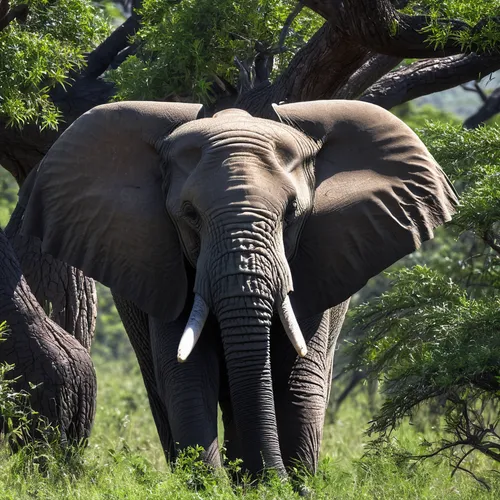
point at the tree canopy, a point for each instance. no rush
(42, 51)
(225, 53)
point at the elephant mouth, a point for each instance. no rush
(199, 315)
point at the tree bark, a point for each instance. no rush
(44, 355)
(317, 71)
(68, 297)
(7, 15)
(378, 25)
(429, 76)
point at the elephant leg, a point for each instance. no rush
(189, 390)
(302, 385)
(136, 325)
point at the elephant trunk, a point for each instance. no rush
(199, 315)
(245, 321)
(240, 276)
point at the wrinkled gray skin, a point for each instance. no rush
(234, 232)
(301, 387)
(255, 210)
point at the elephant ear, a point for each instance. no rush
(379, 194)
(97, 203)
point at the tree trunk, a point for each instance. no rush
(44, 355)
(68, 297)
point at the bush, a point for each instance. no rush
(433, 338)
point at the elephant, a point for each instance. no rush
(232, 245)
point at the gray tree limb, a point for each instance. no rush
(490, 107)
(429, 76)
(387, 31)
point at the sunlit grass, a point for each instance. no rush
(124, 460)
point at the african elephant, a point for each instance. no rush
(254, 233)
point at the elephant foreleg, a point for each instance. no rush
(136, 325)
(189, 390)
(302, 386)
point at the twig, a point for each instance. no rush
(480, 481)
(489, 238)
(245, 80)
(477, 89)
(457, 466)
(286, 27)
(102, 56)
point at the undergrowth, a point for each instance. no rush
(124, 460)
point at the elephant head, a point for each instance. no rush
(292, 215)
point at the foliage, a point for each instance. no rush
(472, 158)
(8, 196)
(433, 337)
(110, 340)
(429, 338)
(184, 45)
(21, 427)
(14, 419)
(38, 55)
(417, 117)
(124, 460)
(486, 36)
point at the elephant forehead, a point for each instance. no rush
(237, 130)
(232, 112)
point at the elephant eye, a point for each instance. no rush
(190, 213)
(291, 212)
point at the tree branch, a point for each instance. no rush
(429, 76)
(99, 60)
(351, 51)
(286, 27)
(7, 15)
(489, 238)
(389, 32)
(490, 107)
(21, 150)
(372, 70)
(318, 71)
(477, 89)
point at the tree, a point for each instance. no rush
(40, 43)
(224, 54)
(433, 338)
(350, 56)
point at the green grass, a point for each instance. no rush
(124, 460)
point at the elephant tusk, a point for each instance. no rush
(292, 327)
(192, 332)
